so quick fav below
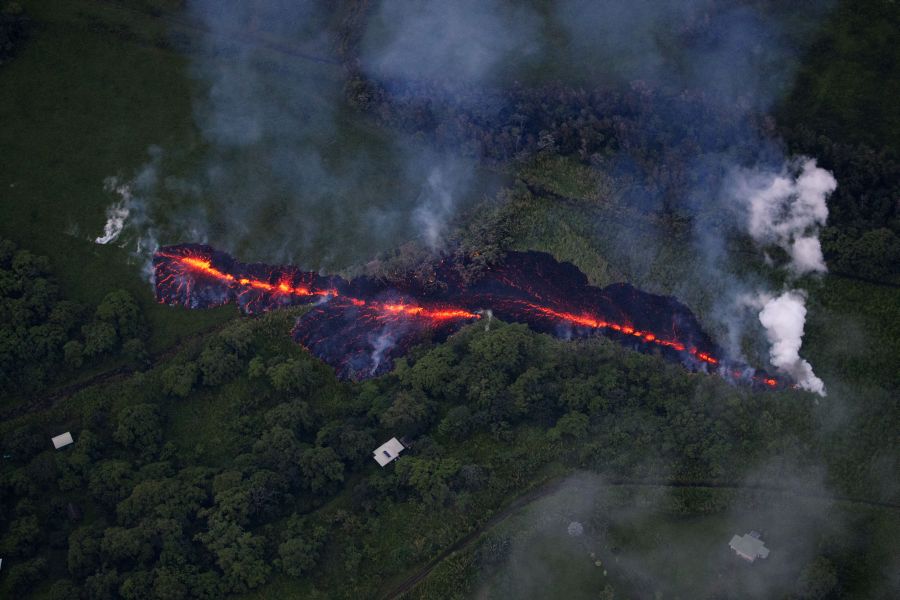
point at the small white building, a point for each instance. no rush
(749, 546)
(62, 440)
(388, 451)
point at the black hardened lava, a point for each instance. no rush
(359, 326)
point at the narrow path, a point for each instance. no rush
(548, 488)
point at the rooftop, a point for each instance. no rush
(749, 546)
(388, 451)
(63, 439)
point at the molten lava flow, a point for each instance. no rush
(433, 314)
(594, 323)
(360, 326)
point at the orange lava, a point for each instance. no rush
(205, 267)
(592, 322)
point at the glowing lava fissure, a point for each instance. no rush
(360, 326)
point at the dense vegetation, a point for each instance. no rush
(42, 334)
(242, 457)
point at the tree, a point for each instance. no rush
(99, 338)
(63, 589)
(240, 500)
(174, 499)
(572, 425)
(169, 585)
(84, 551)
(257, 368)
(119, 309)
(218, 363)
(73, 351)
(348, 441)
(291, 376)
(23, 537)
(239, 554)
(24, 574)
(178, 380)
(139, 428)
(294, 415)
(321, 468)
(457, 423)
(278, 449)
(299, 553)
(436, 373)
(120, 545)
(23, 443)
(429, 478)
(136, 352)
(103, 585)
(505, 349)
(409, 411)
(137, 585)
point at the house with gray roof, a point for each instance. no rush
(749, 546)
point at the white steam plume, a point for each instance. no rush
(117, 213)
(380, 346)
(787, 209)
(436, 207)
(784, 317)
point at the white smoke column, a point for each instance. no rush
(117, 213)
(130, 214)
(788, 210)
(436, 207)
(784, 318)
(380, 345)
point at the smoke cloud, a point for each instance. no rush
(456, 43)
(437, 201)
(788, 210)
(116, 213)
(282, 170)
(131, 222)
(657, 541)
(741, 60)
(784, 317)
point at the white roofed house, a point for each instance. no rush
(388, 451)
(62, 440)
(749, 546)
